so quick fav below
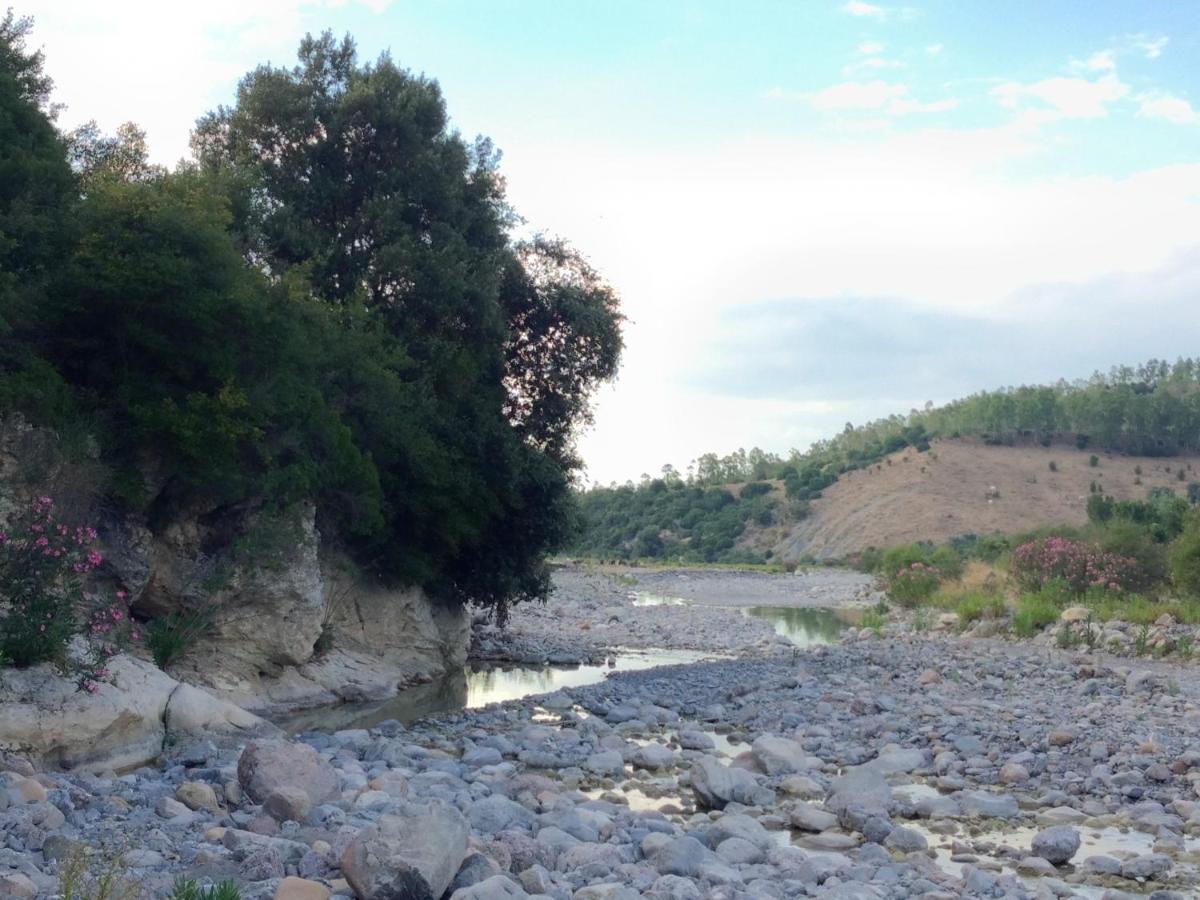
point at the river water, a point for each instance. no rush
(474, 687)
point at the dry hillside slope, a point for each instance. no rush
(944, 493)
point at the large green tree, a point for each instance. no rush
(328, 304)
(349, 185)
(37, 194)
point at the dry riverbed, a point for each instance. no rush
(594, 613)
(903, 766)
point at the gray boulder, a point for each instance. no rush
(906, 840)
(1149, 865)
(498, 813)
(289, 770)
(781, 756)
(1056, 845)
(716, 785)
(682, 856)
(862, 789)
(411, 856)
(740, 826)
(988, 806)
(654, 756)
(498, 887)
(696, 740)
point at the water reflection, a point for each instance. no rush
(471, 688)
(806, 627)
(643, 598)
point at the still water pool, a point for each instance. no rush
(806, 627)
(471, 688)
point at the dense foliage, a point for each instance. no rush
(328, 304)
(669, 519)
(1152, 410)
(912, 585)
(1077, 566)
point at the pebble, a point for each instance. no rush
(851, 765)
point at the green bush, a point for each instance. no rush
(187, 889)
(947, 561)
(913, 585)
(868, 560)
(1037, 610)
(980, 605)
(1125, 538)
(874, 620)
(169, 637)
(903, 556)
(1184, 557)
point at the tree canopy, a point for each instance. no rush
(329, 303)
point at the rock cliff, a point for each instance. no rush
(282, 621)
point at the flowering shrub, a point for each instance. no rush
(913, 584)
(1074, 565)
(43, 604)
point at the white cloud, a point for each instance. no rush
(870, 48)
(1152, 47)
(877, 96)
(864, 10)
(916, 215)
(871, 64)
(858, 95)
(188, 56)
(1165, 106)
(1063, 98)
(935, 49)
(1100, 61)
(906, 106)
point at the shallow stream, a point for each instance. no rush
(474, 687)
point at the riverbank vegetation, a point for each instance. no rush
(327, 303)
(1134, 562)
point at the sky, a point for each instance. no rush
(815, 212)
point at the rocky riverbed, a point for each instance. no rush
(596, 611)
(905, 766)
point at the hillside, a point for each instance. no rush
(923, 475)
(943, 493)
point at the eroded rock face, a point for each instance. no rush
(126, 724)
(266, 585)
(273, 604)
(260, 651)
(411, 856)
(267, 613)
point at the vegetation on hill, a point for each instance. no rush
(672, 519)
(1153, 410)
(327, 304)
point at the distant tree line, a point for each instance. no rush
(326, 302)
(1150, 410)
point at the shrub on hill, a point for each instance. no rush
(1073, 564)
